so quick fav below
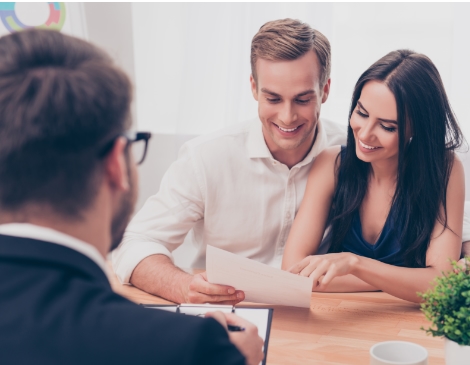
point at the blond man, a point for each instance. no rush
(239, 188)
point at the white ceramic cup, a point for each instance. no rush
(398, 353)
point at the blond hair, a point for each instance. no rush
(289, 39)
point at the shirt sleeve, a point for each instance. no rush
(165, 219)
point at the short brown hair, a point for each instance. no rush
(289, 39)
(61, 99)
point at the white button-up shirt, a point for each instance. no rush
(232, 193)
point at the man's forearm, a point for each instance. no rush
(158, 275)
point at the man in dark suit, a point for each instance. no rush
(68, 183)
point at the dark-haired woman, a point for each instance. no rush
(393, 198)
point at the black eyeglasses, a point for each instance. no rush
(138, 141)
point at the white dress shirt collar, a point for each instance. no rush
(255, 144)
(257, 148)
(27, 230)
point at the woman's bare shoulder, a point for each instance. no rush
(329, 158)
(326, 162)
(329, 154)
(457, 173)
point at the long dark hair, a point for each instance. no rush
(424, 163)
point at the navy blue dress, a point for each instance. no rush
(387, 249)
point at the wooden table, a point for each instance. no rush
(337, 329)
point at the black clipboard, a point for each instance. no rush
(260, 316)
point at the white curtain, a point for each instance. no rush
(192, 60)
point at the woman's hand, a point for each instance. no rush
(323, 268)
(464, 263)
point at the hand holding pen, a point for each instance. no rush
(233, 328)
(244, 335)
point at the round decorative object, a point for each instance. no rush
(456, 354)
(13, 24)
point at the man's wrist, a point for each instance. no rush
(184, 288)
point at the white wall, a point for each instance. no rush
(109, 25)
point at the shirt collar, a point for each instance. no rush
(257, 148)
(27, 230)
(256, 145)
(318, 146)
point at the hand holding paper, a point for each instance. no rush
(260, 283)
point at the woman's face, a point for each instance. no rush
(374, 123)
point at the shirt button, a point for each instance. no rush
(274, 163)
(288, 215)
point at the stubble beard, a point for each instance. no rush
(123, 215)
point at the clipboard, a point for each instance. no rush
(259, 316)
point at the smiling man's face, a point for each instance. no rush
(289, 98)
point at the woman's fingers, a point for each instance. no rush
(310, 264)
(298, 267)
(323, 268)
(320, 270)
(332, 272)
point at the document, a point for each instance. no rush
(260, 282)
(260, 317)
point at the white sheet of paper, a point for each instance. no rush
(260, 282)
(258, 316)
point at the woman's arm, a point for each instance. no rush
(345, 284)
(399, 281)
(309, 224)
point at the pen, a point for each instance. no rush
(232, 328)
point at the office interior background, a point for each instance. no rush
(190, 64)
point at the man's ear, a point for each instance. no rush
(254, 88)
(115, 165)
(326, 91)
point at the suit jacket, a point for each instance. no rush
(57, 307)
